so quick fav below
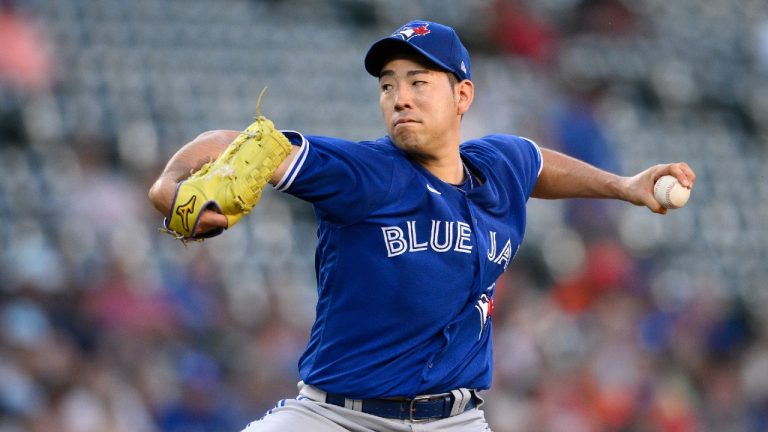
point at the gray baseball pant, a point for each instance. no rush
(308, 412)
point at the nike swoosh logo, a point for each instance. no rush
(433, 190)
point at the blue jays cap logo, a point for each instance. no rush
(409, 31)
(442, 47)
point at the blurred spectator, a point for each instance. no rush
(25, 62)
(26, 67)
(119, 302)
(201, 405)
(608, 17)
(102, 401)
(579, 134)
(194, 294)
(607, 268)
(519, 32)
(760, 41)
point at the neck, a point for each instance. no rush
(440, 156)
(448, 169)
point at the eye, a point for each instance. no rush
(419, 83)
(386, 88)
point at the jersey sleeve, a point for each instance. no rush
(343, 180)
(524, 156)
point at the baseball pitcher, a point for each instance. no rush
(414, 229)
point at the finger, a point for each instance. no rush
(210, 220)
(689, 172)
(218, 220)
(656, 207)
(648, 199)
(222, 221)
(683, 173)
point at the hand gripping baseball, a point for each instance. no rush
(232, 183)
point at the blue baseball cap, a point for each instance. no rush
(438, 43)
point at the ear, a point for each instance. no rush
(465, 92)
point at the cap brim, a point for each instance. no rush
(383, 50)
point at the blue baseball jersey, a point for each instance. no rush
(406, 264)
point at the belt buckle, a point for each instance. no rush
(412, 408)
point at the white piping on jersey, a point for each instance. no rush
(296, 164)
(538, 150)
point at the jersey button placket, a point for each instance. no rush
(476, 234)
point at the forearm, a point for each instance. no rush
(187, 160)
(565, 177)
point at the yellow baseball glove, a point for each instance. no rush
(232, 183)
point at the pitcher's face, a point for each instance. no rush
(419, 105)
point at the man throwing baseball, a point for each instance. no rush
(414, 229)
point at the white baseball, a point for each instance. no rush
(670, 193)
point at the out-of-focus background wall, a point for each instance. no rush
(610, 318)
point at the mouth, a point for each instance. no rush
(403, 121)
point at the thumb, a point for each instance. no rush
(654, 205)
(210, 219)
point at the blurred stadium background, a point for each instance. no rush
(609, 319)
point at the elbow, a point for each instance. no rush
(543, 190)
(152, 194)
(161, 194)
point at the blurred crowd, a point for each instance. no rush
(609, 319)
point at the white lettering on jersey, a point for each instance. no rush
(464, 237)
(443, 237)
(413, 244)
(393, 239)
(505, 255)
(433, 238)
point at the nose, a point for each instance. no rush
(402, 98)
